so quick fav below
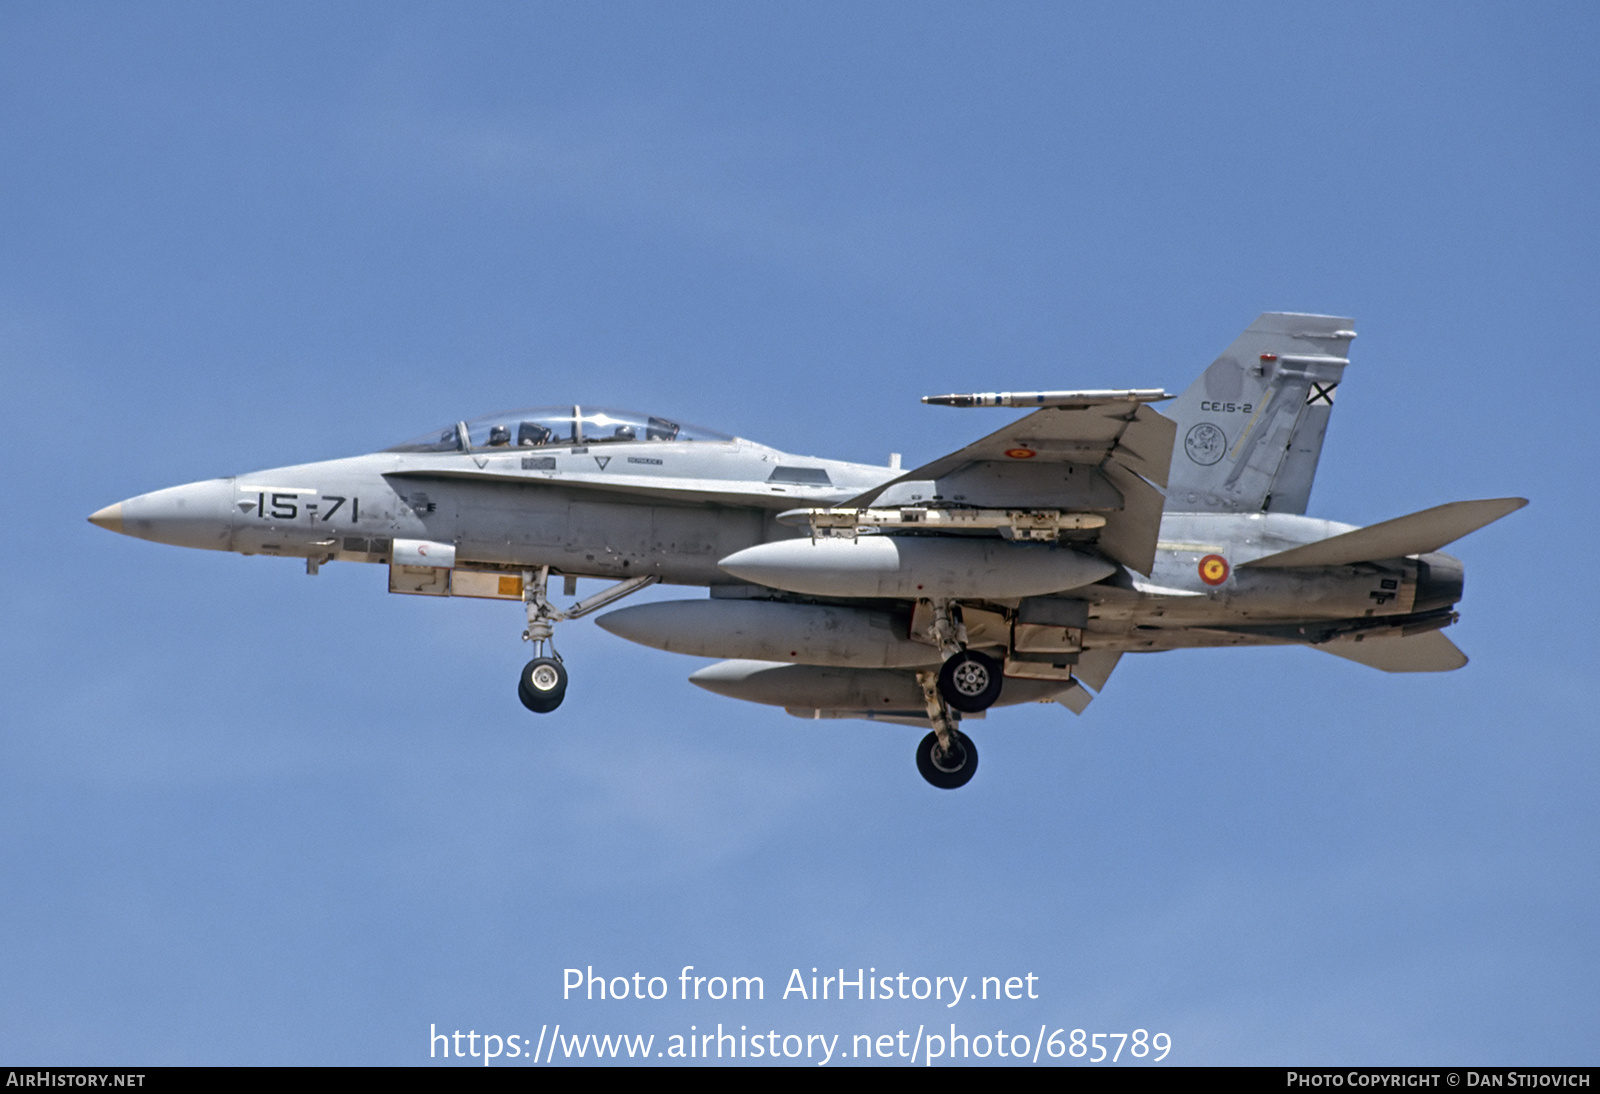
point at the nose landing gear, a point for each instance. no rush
(543, 683)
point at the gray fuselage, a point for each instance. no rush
(673, 509)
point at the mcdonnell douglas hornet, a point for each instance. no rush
(1017, 569)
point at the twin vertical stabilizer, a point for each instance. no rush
(1250, 429)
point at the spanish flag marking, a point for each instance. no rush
(1213, 569)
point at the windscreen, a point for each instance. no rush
(538, 427)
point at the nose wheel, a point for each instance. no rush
(543, 684)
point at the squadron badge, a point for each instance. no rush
(1205, 444)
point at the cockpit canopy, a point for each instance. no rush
(542, 426)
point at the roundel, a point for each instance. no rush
(1021, 453)
(1213, 569)
(1205, 444)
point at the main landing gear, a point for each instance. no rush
(969, 682)
(543, 683)
(946, 757)
(947, 767)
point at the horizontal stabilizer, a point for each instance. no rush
(1416, 534)
(1427, 652)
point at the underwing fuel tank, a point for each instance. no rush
(912, 567)
(821, 687)
(766, 630)
(815, 686)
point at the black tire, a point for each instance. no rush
(542, 685)
(971, 681)
(950, 770)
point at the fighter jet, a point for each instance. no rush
(1017, 569)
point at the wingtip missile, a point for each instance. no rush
(1060, 399)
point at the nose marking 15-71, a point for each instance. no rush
(282, 505)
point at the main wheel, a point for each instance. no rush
(970, 681)
(543, 685)
(947, 770)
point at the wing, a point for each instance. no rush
(1098, 456)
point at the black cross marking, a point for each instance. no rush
(1320, 393)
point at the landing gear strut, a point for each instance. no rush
(969, 681)
(947, 758)
(543, 683)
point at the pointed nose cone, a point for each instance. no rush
(197, 515)
(735, 679)
(109, 518)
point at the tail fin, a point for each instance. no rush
(1250, 428)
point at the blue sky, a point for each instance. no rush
(248, 816)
